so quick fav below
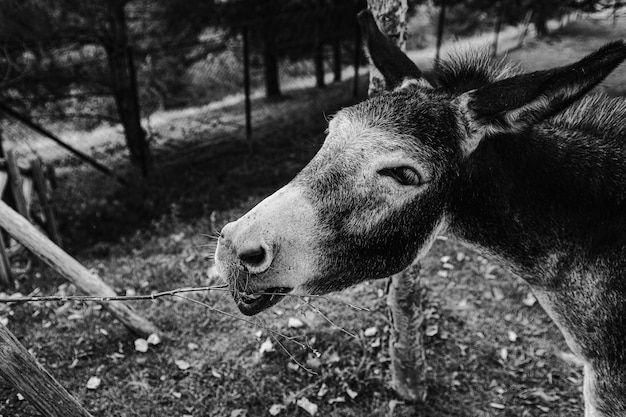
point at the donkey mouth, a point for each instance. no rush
(253, 303)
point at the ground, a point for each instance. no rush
(491, 350)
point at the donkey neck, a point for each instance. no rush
(528, 196)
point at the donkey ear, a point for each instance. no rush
(397, 69)
(516, 103)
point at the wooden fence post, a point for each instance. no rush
(21, 370)
(6, 278)
(15, 180)
(41, 246)
(46, 204)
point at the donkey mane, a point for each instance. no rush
(599, 114)
(467, 68)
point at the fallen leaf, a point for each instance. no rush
(153, 339)
(314, 362)
(432, 330)
(512, 336)
(497, 293)
(370, 331)
(333, 358)
(504, 353)
(496, 405)
(215, 373)
(340, 399)
(183, 365)
(460, 256)
(93, 382)
(442, 273)
(240, 412)
(529, 300)
(76, 316)
(323, 390)
(141, 345)
(177, 394)
(266, 346)
(20, 397)
(192, 346)
(444, 259)
(275, 409)
(448, 265)
(352, 394)
(293, 366)
(307, 406)
(294, 323)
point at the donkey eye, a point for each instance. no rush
(402, 175)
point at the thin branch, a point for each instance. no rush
(115, 298)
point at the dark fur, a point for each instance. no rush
(527, 171)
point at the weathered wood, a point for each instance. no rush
(6, 278)
(23, 170)
(406, 349)
(46, 204)
(40, 245)
(15, 180)
(27, 192)
(20, 369)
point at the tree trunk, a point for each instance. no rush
(336, 60)
(318, 59)
(124, 86)
(440, 25)
(498, 27)
(406, 349)
(540, 14)
(270, 66)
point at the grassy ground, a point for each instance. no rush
(492, 351)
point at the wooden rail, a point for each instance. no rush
(41, 246)
(20, 369)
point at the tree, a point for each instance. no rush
(71, 51)
(294, 29)
(406, 348)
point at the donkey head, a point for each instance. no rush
(379, 190)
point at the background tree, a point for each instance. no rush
(406, 346)
(70, 51)
(295, 29)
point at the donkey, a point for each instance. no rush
(525, 167)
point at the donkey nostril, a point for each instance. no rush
(253, 256)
